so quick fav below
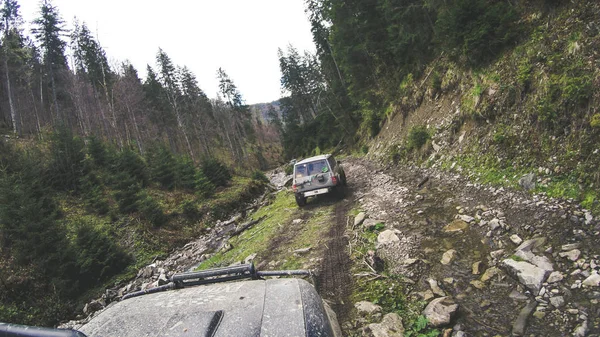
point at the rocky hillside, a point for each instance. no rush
(532, 111)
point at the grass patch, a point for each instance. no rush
(257, 239)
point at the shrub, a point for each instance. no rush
(204, 187)
(98, 257)
(289, 169)
(130, 163)
(151, 210)
(66, 163)
(185, 173)
(260, 176)
(161, 166)
(595, 121)
(417, 137)
(216, 172)
(127, 193)
(190, 210)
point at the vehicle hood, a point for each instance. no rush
(277, 307)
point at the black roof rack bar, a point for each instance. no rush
(240, 271)
(283, 273)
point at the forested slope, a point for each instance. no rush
(102, 171)
(503, 88)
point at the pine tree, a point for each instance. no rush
(48, 31)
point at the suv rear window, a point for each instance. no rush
(308, 169)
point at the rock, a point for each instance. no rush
(477, 284)
(555, 277)
(436, 288)
(516, 239)
(455, 226)
(540, 261)
(515, 295)
(532, 244)
(440, 311)
(448, 256)
(426, 295)
(476, 268)
(497, 253)
(302, 251)
(489, 273)
(370, 224)
(162, 279)
(570, 246)
(365, 307)
(91, 307)
(581, 330)
(390, 326)
(358, 220)
(494, 223)
(592, 281)
(297, 221)
(250, 258)
(528, 274)
(539, 314)
(521, 321)
(386, 237)
(572, 255)
(466, 218)
(409, 262)
(528, 181)
(557, 301)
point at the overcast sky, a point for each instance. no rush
(241, 36)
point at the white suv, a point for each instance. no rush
(317, 175)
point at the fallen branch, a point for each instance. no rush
(246, 226)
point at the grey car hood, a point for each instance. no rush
(277, 307)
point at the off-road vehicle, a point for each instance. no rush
(317, 175)
(200, 304)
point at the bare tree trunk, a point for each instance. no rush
(136, 128)
(13, 111)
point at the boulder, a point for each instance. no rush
(540, 261)
(436, 288)
(572, 255)
(555, 276)
(466, 218)
(477, 268)
(440, 311)
(592, 281)
(528, 274)
(448, 256)
(557, 301)
(390, 326)
(527, 181)
(532, 244)
(358, 220)
(365, 307)
(386, 237)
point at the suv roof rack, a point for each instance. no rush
(216, 275)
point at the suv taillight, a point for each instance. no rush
(334, 180)
(294, 188)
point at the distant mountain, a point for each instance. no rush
(262, 109)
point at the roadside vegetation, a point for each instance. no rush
(77, 215)
(383, 288)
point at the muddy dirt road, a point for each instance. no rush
(515, 264)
